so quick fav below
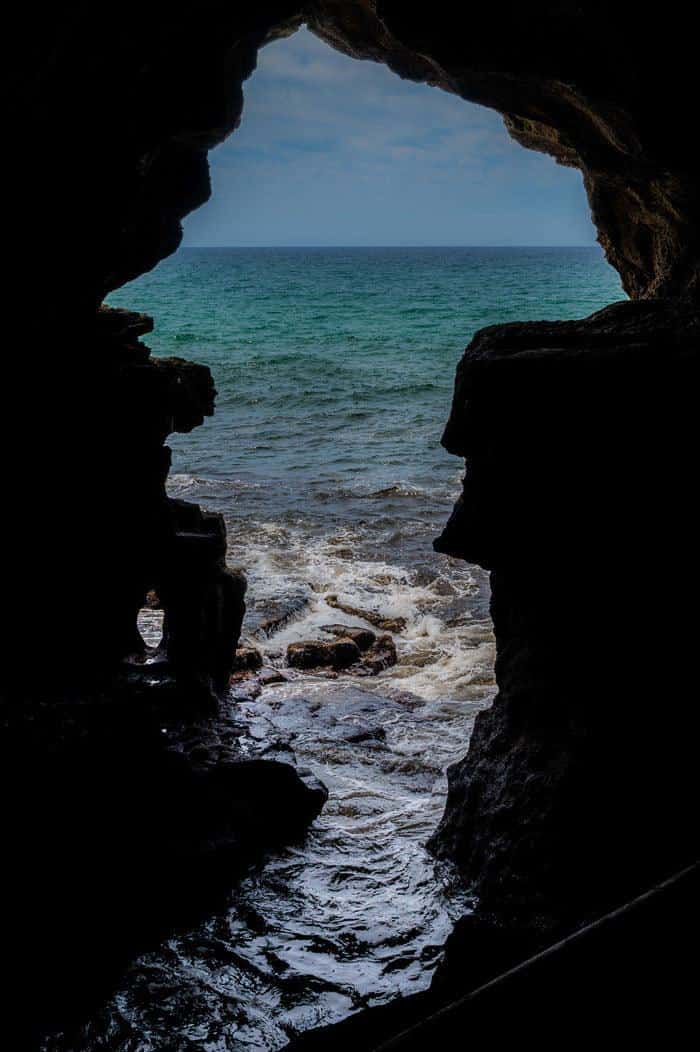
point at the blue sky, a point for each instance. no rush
(333, 151)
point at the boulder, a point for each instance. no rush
(380, 656)
(268, 677)
(362, 636)
(386, 624)
(248, 659)
(312, 653)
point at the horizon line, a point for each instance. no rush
(591, 244)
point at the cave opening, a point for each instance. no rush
(150, 622)
(334, 355)
(178, 874)
(334, 361)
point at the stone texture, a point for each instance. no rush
(362, 637)
(112, 527)
(385, 624)
(126, 814)
(355, 650)
(605, 93)
(315, 653)
(626, 976)
(248, 659)
(579, 437)
(151, 101)
(379, 657)
(579, 440)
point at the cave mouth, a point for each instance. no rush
(334, 367)
(578, 788)
(334, 363)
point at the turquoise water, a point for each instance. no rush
(335, 366)
(334, 369)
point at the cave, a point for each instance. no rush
(572, 814)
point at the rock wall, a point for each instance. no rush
(578, 790)
(579, 440)
(131, 105)
(579, 437)
(106, 530)
(111, 122)
(595, 86)
(127, 815)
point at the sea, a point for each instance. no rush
(334, 369)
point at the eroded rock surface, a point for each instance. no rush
(312, 653)
(385, 624)
(578, 791)
(355, 650)
(610, 93)
(152, 92)
(579, 440)
(132, 817)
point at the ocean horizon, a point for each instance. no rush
(334, 369)
(543, 247)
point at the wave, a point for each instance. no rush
(440, 491)
(446, 648)
(180, 482)
(399, 489)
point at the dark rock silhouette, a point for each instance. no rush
(132, 816)
(579, 439)
(354, 649)
(314, 653)
(362, 637)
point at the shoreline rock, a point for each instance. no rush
(578, 786)
(248, 659)
(386, 624)
(354, 650)
(361, 636)
(152, 815)
(314, 653)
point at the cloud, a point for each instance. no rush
(334, 150)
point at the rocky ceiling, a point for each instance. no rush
(121, 112)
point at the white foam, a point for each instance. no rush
(435, 659)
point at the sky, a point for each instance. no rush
(336, 151)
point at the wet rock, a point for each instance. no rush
(478, 949)
(361, 734)
(279, 613)
(268, 677)
(362, 636)
(152, 600)
(354, 650)
(244, 687)
(203, 600)
(343, 714)
(576, 792)
(357, 651)
(380, 656)
(386, 624)
(152, 817)
(248, 659)
(308, 654)
(574, 490)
